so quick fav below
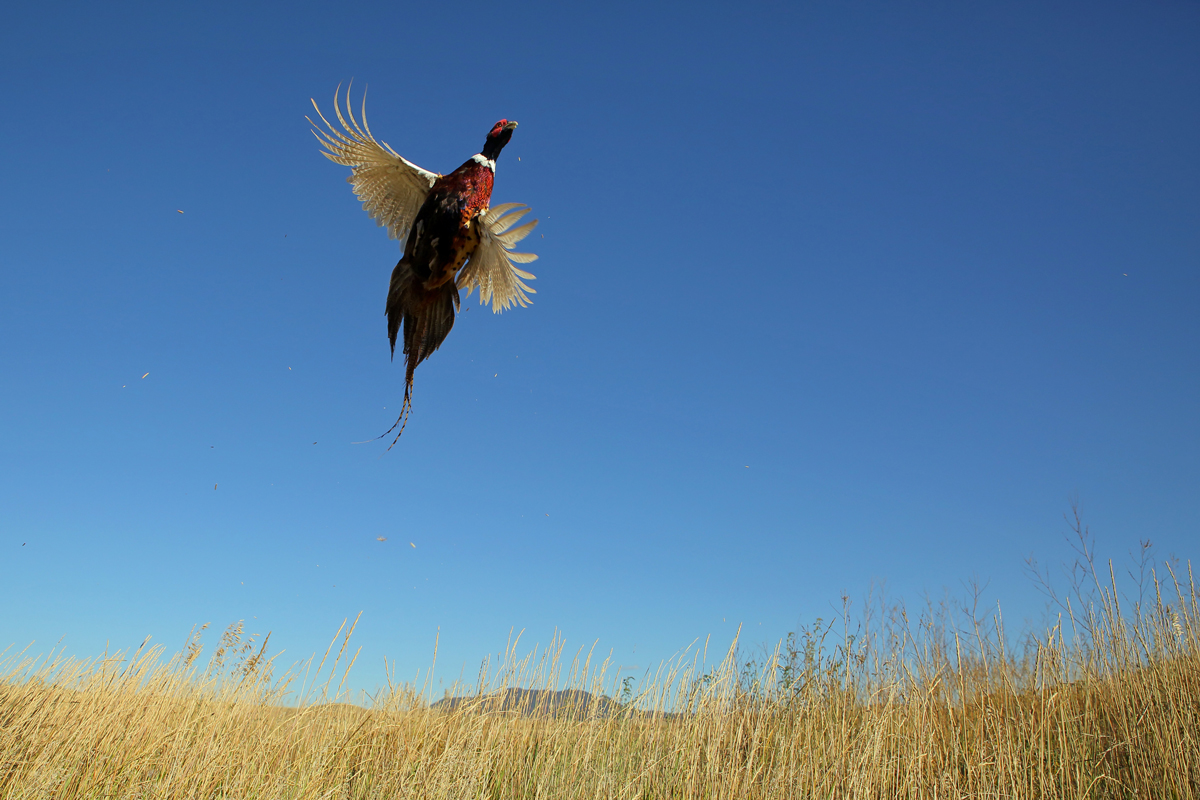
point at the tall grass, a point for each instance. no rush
(1104, 702)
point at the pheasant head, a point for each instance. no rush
(496, 139)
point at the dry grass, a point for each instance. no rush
(1106, 703)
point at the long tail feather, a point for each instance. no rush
(401, 420)
(426, 317)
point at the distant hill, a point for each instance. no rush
(537, 703)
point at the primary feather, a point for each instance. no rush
(391, 187)
(493, 268)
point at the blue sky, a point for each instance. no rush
(828, 294)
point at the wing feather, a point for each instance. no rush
(391, 187)
(516, 234)
(496, 212)
(493, 266)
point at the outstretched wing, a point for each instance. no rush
(493, 266)
(390, 187)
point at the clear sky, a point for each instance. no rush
(828, 294)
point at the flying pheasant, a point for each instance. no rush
(452, 240)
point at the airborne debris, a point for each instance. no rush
(381, 538)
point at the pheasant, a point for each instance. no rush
(452, 239)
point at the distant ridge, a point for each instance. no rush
(537, 703)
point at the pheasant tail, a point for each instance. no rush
(426, 315)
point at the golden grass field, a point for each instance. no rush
(1103, 703)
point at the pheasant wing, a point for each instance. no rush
(390, 187)
(493, 266)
